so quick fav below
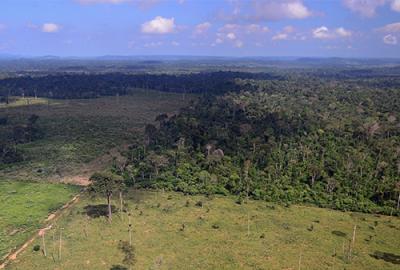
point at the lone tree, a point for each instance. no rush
(105, 183)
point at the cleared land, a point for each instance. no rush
(24, 206)
(173, 231)
(81, 136)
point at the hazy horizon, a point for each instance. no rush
(256, 28)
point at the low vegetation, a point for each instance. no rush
(171, 230)
(75, 134)
(24, 208)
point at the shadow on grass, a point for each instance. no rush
(339, 233)
(118, 267)
(99, 210)
(387, 257)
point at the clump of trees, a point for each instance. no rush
(12, 134)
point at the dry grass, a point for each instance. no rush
(215, 236)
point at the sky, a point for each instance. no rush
(319, 28)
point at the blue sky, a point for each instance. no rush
(346, 28)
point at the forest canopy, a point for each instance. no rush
(330, 143)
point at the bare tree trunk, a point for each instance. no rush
(398, 202)
(120, 204)
(300, 261)
(60, 245)
(130, 229)
(109, 208)
(353, 240)
(44, 245)
(248, 224)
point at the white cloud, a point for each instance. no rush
(50, 28)
(390, 39)
(343, 32)
(86, 2)
(288, 29)
(395, 5)
(280, 36)
(277, 10)
(367, 8)
(153, 44)
(255, 28)
(175, 43)
(218, 40)
(390, 28)
(231, 36)
(321, 33)
(239, 44)
(202, 28)
(284, 34)
(324, 32)
(159, 25)
(234, 34)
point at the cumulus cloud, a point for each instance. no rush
(239, 44)
(266, 10)
(343, 32)
(175, 43)
(153, 44)
(390, 28)
(202, 28)
(280, 36)
(159, 25)
(231, 36)
(86, 2)
(234, 34)
(255, 28)
(321, 33)
(324, 32)
(50, 28)
(395, 5)
(284, 34)
(368, 8)
(390, 40)
(244, 29)
(143, 4)
(282, 9)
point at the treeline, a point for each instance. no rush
(306, 141)
(92, 85)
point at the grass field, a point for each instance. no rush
(76, 132)
(172, 232)
(24, 207)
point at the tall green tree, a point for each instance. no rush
(106, 183)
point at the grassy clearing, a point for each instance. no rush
(76, 132)
(24, 206)
(214, 236)
(28, 101)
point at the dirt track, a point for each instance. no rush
(49, 221)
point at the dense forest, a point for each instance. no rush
(333, 144)
(96, 85)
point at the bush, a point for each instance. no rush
(36, 248)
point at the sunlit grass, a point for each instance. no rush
(171, 232)
(24, 206)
